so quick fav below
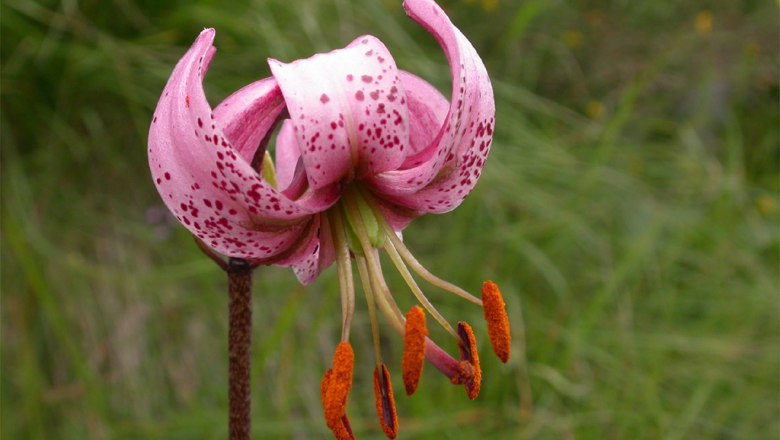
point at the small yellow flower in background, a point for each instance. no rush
(595, 18)
(766, 205)
(487, 5)
(572, 39)
(752, 49)
(703, 22)
(594, 109)
(490, 5)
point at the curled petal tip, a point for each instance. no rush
(452, 163)
(497, 320)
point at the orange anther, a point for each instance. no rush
(335, 387)
(414, 349)
(497, 320)
(385, 403)
(324, 386)
(343, 431)
(470, 372)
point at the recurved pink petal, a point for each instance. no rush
(202, 179)
(396, 216)
(428, 109)
(248, 115)
(287, 155)
(443, 180)
(320, 254)
(348, 110)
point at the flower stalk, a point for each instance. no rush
(239, 346)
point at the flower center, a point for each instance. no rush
(361, 218)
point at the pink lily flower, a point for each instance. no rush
(363, 148)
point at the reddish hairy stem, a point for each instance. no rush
(239, 343)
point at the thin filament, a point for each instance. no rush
(399, 264)
(382, 295)
(384, 300)
(418, 268)
(369, 291)
(346, 283)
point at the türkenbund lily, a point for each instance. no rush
(363, 148)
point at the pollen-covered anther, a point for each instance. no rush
(385, 402)
(334, 389)
(470, 373)
(497, 320)
(324, 386)
(413, 359)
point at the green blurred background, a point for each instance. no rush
(629, 211)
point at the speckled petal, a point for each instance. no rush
(287, 155)
(247, 115)
(320, 255)
(349, 111)
(428, 110)
(201, 178)
(442, 182)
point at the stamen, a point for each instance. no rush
(459, 372)
(365, 279)
(373, 267)
(415, 265)
(399, 264)
(385, 403)
(324, 386)
(467, 371)
(335, 387)
(346, 283)
(342, 430)
(470, 369)
(497, 320)
(414, 349)
(384, 299)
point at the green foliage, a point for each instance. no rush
(629, 211)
